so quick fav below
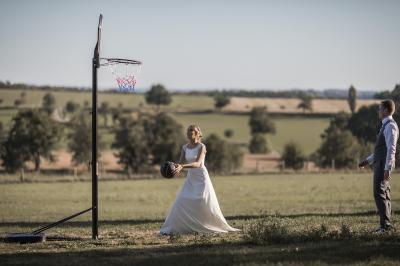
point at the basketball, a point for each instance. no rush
(167, 169)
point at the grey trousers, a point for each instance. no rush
(382, 193)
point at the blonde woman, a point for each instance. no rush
(196, 207)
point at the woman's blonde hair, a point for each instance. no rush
(195, 127)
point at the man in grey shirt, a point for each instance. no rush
(383, 159)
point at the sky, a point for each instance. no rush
(205, 44)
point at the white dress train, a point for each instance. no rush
(196, 207)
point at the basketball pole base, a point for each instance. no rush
(25, 238)
(38, 235)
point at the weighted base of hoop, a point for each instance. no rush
(24, 238)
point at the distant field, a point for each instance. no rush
(303, 130)
(129, 100)
(132, 212)
(184, 102)
(285, 105)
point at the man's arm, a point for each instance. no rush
(368, 160)
(391, 135)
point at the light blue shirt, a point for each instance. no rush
(391, 134)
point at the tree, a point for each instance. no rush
(23, 97)
(395, 94)
(104, 110)
(222, 156)
(340, 146)
(164, 137)
(305, 103)
(258, 144)
(365, 124)
(17, 102)
(229, 133)
(2, 133)
(383, 95)
(260, 122)
(2, 136)
(80, 139)
(158, 95)
(293, 156)
(132, 148)
(339, 121)
(71, 107)
(33, 135)
(351, 99)
(49, 103)
(116, 113)
(221, 100)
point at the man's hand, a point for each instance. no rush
(386, 175)
(363, 164)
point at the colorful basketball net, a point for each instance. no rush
(126, 83)
(122, 70)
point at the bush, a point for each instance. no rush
(260, 122)
(71, 106)
(17, 102)
(229, 133)
(221, 100)
(258, 144)
(275, 230)
(340, 146)
(49, 103)
(267, 231)
(293, 156)
(222, 156)
(158, 95)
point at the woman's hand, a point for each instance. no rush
(178, 168)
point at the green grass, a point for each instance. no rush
(317, 219)
(303, 130)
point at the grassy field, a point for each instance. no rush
(182, 102)
(285, 220)
(305, 131)
(131, 100)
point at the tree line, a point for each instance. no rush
(146, 139)
(262, 93)
(348, 138)
(141, 140)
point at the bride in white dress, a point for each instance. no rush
(196, 207)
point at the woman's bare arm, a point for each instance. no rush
(182, 157)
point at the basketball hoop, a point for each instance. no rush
(125, 72)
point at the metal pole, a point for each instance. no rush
(94, 149)
(95, 164)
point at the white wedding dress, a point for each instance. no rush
(196, 207)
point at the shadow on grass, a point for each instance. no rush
(343, 252)
(150, 221)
